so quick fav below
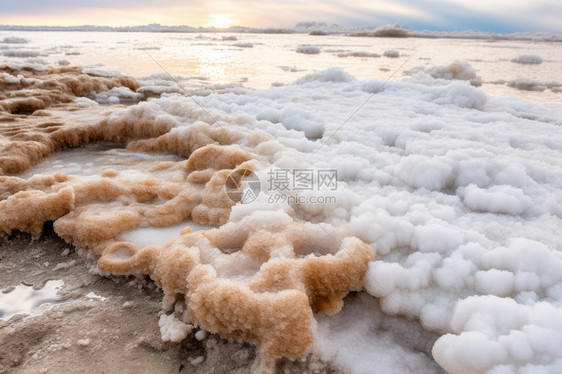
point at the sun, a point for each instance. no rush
(220, 21)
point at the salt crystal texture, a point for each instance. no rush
(458, 194)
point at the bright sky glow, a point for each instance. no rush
(484, 15)
(219, 21)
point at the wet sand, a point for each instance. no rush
(92, 335)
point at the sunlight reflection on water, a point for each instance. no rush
(28, 299)
(217, 57)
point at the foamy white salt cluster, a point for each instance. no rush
(12, 79)
(527, 59)
(243, 45)
(172, 329)
(391, 54)
(14, 40)
(526, 84)
(308, 49)
(117, 95)
(22, 53)
(362, 54)
(458, 70)
(458, 194)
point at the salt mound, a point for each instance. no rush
(267, 274)
(318, 33)
(496, 334)
(317, 28)
(392, 31)
(497, 199)
(308, 49)
(243, 45)
(460, 70)
(100, 73)
(172, 329)
(391, 54)
(457, 70)
(38, 61)
(118, 95)
(527, 59)
(358, 54)
(14, 40)
(22, 53)
(295, 118)
(527, 84)
(334, 74)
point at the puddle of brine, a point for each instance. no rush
(28, 299)
(147, 236)
(94, 296)
(94, 159)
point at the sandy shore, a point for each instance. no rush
(114, 331)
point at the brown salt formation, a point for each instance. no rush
(27, 210)
(24, 90)
(29, 133)
(195, 190)
(260, 279)
(53, 120)
(90, 211)
(26, 140)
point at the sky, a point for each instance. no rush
(482, 15)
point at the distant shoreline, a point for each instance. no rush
(312, 28)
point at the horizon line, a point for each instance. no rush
(341, 29)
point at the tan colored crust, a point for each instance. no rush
(260, 279)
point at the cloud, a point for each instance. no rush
(54, 6)
(499, 16)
